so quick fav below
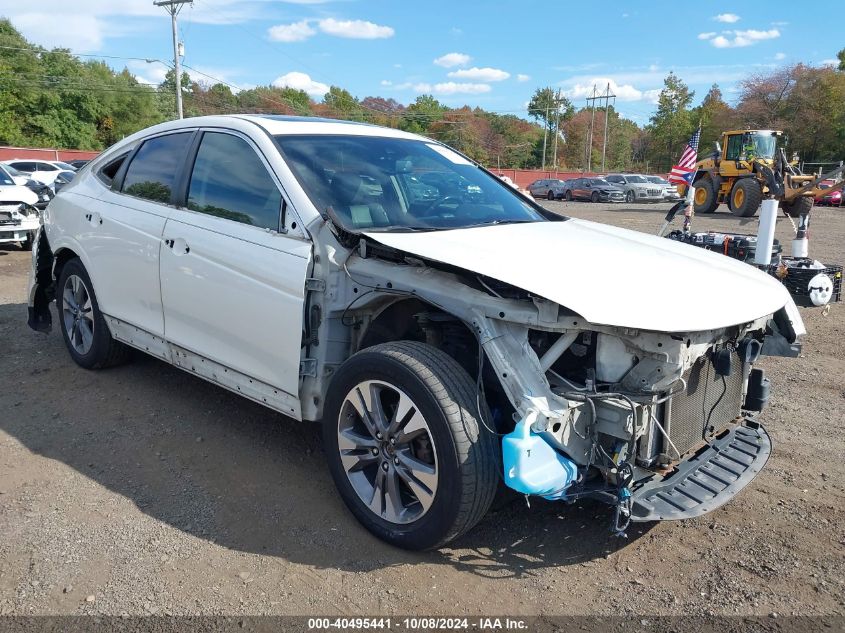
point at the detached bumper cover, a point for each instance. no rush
(706, 480)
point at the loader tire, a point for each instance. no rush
(746, 197)
(706, 198)
(797, 207)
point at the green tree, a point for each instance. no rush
(342, 104)
(841, 56)
(671, 125)
(424, 111)
(553, 110)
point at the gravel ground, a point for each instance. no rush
(143, 490)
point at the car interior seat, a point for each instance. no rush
(351, 204)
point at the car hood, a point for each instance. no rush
(16, 193)
(608, 275)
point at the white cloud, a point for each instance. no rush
(480, 74)
(386, 82)
(355, 29)
(444, 88)
(522, 78)
(294, 32)
(623, 92)
(453, 59)
(707, 36)
(727, 18)
(780, 56)
(739, 39)
(79, 33)
(301, 81)
(829, 62)
(452, 88)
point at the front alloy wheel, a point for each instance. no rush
(387, 451)
(77, 315)
(407, 450)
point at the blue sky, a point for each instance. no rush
(490, 54)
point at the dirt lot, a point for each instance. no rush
(144, 490)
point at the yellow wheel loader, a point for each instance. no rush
(750, 167)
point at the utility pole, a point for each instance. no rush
(545, 134)
(173, 7)
(607, 97)
(557, 127)
(590, 136)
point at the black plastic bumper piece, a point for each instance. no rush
(706, 480)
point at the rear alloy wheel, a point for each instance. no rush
(705, 200)
(568, 196)
(746, 197)
(594, 197)
(550, 195)
(405, 447)
(84, 328)
(629, 197)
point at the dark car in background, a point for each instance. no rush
(79, 163)
(594, 190)
(548, 188)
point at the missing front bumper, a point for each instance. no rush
(706, 480)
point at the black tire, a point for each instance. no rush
(568, 196)
(550, 195)
(797, 207)
(629, 197)
(594, 197)
(27, 243)
(104, 351)
(746, 197)
(711, 200)
(468, 456)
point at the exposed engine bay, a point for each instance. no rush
(660, 425)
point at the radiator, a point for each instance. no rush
(708, 405)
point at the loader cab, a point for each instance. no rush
(750, 145)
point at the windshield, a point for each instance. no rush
(657, 180)
(759, 145)
(600, 182)
(382, 184)
(5, 180)
(65, 166)
(635, 179)
(11, 171)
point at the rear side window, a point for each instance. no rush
(152, 172)
(23, 166)
(45, 167)
(109, 171)
(230, 181)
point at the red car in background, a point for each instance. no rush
(832, 199)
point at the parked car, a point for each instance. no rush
(63, 178)
(593, 189)
(832, 199)
(44, 171)
(445, 345)
(549, 188)
(670, 191)
(18, 215)
(636, 188)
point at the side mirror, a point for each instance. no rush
(718, 147)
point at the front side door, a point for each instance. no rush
(232, 276)
(123, 229)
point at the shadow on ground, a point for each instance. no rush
(224, 469)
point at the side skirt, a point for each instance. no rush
(209, 370)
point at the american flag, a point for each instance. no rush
(683, 172)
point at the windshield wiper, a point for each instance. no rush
(493, 222)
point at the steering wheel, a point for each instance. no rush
(442, 201)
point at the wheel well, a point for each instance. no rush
(416, 320)
(62, 257)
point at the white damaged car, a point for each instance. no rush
(450, 340)
(19, 219)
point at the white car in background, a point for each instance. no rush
(670, 191)
(449, 340)
(44, 171)
(18, 216)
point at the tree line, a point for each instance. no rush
(51, 98)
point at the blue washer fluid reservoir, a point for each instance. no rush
(532, 466)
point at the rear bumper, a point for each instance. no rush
(705, 480)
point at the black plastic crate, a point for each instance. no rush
(796, 273)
